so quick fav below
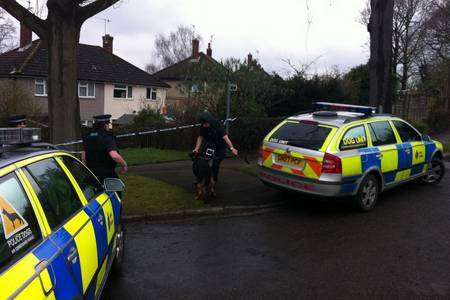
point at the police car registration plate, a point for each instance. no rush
(286, 159)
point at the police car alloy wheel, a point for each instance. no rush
(120, 251)
(435, 173)
(367, 195)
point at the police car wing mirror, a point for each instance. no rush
(426, 138)
(113, 185)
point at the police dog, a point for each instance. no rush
(205, 185)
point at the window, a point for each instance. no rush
(54, 190)
(304, 135)
(88, 183)
(40, 87)
(123, 92)
(151, 94)
(382, 133)
(86, 90)
(406, 132)
(354, 138)
(19, 229)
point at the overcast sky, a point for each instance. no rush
(271, 30)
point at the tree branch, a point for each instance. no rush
(23, 15)
(94, 8)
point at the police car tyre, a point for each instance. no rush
(367, 195)
(117, 266)
(436, 172)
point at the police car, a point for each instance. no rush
(348, 150)
(60, 228)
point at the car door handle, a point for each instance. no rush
(100, 220)
(408, 151)
(380, 156)
(73, 255)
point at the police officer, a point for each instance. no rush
(100, 150)
(212, 134)
(19, 121)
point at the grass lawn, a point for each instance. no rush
(140, 156)
(147, 196)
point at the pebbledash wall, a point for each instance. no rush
(104, 101)
(119, 106)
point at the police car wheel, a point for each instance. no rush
(435, 173)
(367, 195)
(117, 266)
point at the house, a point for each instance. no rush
(107, 84)
(177, 74)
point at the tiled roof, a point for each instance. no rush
(94, 64)
(180, 70)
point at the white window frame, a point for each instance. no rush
(40, 81)
(152, 90)
(126, 88)
(86, 85)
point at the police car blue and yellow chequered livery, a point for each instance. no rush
(330, 152)
(71, 261)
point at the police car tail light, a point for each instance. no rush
(331, 164)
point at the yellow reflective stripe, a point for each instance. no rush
(35, 203)
(266, 139)
(101, 276)
(329, 140)
(389, 159)
(12, 280)
(86, 245)
(6, 170)
(402, 175)
(351, 165)
(369, 136)
(31, 160)
(108, 211)
(72, 180)
(397, 135)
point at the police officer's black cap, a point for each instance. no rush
(205, 117)
(102, 118)
(15, 120)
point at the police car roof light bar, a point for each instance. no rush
(19, 136)
(328, 106)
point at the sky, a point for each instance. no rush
(324, 31)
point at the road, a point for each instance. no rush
(308, 249)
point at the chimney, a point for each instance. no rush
(25, 35)
(195, 48)
(209, 50)
(250, 59)
(108, 43)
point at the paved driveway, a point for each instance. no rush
(307, 249)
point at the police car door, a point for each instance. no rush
(72, 230)
(412, 141)
(99, 209)
(23, 274)
(383, 139)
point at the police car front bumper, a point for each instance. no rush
(283, 180)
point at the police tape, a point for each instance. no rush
(141, 133)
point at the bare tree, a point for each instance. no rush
(7, 31)
(174, 47)
(60, 32)
(380, 70)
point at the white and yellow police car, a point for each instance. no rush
(348, 150)
(60, 228)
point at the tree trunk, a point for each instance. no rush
(63, 99)
(380, 70)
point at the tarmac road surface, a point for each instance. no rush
(308, 249)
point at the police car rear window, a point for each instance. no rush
(304, 135)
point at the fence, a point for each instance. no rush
(414, 108)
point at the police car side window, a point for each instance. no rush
(54, 190)
(382, 133)
(406, 132)
(19, 229)
(354, 138)
(90, 186)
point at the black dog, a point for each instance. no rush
(205, 185)
(12, 217)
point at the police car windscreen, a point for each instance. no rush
(303, 135)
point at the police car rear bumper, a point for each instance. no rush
(283, 180)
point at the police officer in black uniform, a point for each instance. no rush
(19, 121)
(100, 150)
